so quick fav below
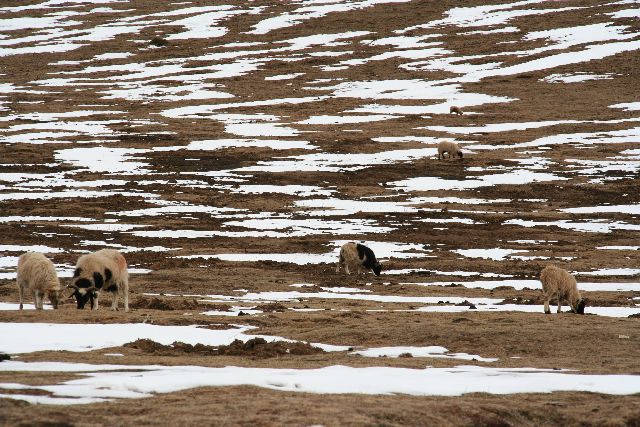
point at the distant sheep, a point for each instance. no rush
(106, 270)
(560, 284)
(37, 275)
(449, 147)
(354, 256)
(455, 110)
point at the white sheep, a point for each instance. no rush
(449, 147)
(105, 269)
(37, 275)
(455, 110)
(560, 284)
(355, 256)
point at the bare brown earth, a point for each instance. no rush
(588, 344)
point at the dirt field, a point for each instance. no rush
(197, 142)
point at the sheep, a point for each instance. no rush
(449, 147)
(455, 110)
(36, 274)
(105, 269)
(355, 255)
(559, 283)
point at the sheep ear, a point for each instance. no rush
(107, 274)
(98, 280)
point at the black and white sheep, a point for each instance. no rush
(449, 147)
(103, 270)
(36, 275)
(560, 284)
(354, 256)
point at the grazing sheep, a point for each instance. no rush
(455, 110)
(355, 256)
(449, 147)
(559, 283)
(37, 275)
(106, 270)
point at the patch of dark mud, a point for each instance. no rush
(4, 357)
(260, 348)
(615, 301)
(46, 424)
(257, 348)
(272, 307)
(503, 288)
(6, 288)
(466, 303)
(159, 42)
(166, 304)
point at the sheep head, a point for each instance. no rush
(83, 295)
(377, 268)
(54, 295)
(580, 306)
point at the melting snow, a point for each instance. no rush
(431, 351)
(137, 381)
(30, 337)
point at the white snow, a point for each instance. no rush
(431, 351)
(519, 284)
(137, 381)
(30, 337)
(296, 295)
(496, 254)
(516, 177)
(592, 226)
(522, 308)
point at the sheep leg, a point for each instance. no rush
(547, 310)
(20, 294)
(559, 304)
(125, 296)
(37, 300)
(114, 301)
(94, 306)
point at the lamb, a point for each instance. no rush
(37, 275)
(105, 269)
(355, 256)
(449, 147)
(455, 110)
(559, 283)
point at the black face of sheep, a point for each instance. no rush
(377, 268)
(460, 154)
(83, 296)
(581, 305)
